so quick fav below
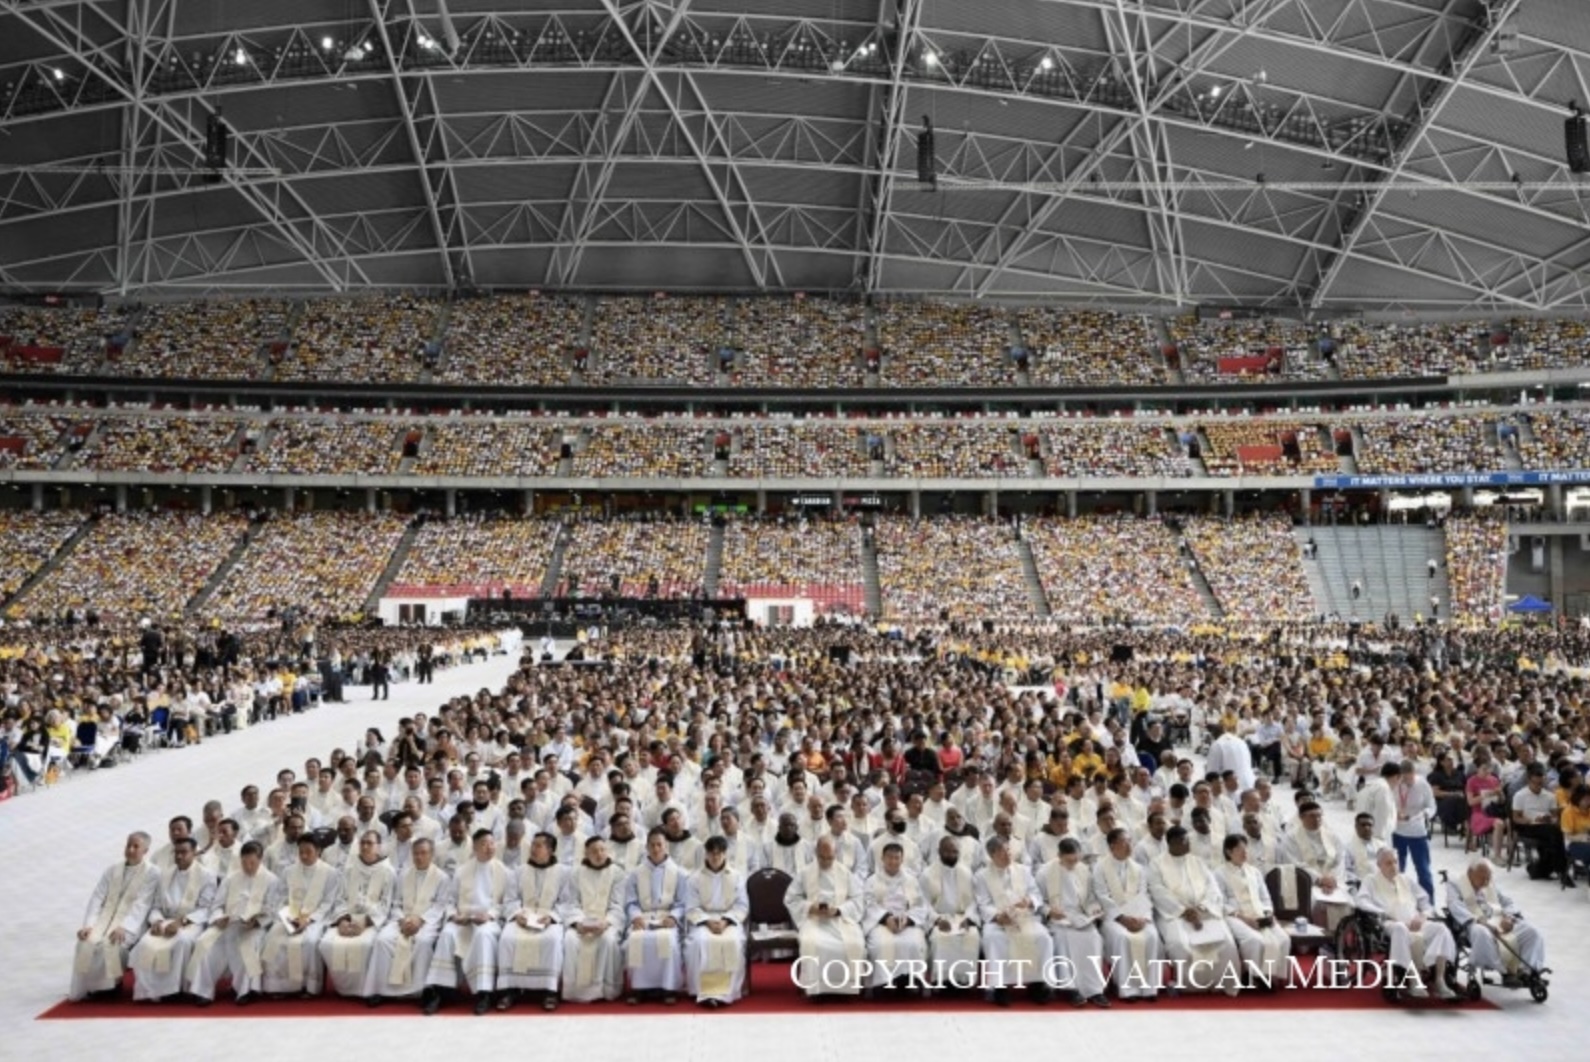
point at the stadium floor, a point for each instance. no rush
(55, 844)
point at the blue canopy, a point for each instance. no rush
(1529, 603)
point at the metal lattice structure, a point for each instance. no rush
(1091, 149)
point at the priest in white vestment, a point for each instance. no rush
(1250, 913)
(716, 908)
(114, 921)
(466, 951)
(1012, 912)
(177, 917)
(593, 965)
(1312, 846)
(401, 956)
(1474, 901)
(1415, 940)
(1190, 913)
(787, 850)
(654, 911)
(1362, 850)
(1131, 940)
(311, 890)
(895, 916)
(368, 886)
(825, 902)
(954, 940)
(530, 954)
(1074, 916)
(231, 946)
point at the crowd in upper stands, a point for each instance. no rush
(668, 340)
(40, 439)
(1090, 348)
(1098, 569)
(324, 562)
(1253, 565)
(969, 567)
(811, 450)
(1243, 448)
(1103, 449)
(222, 339)
(1385, 350)
(489, 448)
(28, 540)
(81, 335)
(363, 338)
(487, 551)
(1287, 347)
(513, 341)
(667, 450)
(1558, 438)
(163, 444)
(1415, 443)
(949, 449)
(810, 342)
(324, 447)
(935, 344)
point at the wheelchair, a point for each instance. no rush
(1536, 981)
(1360, 937)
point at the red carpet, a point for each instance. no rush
(772, 993)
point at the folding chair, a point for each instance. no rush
(82, 750)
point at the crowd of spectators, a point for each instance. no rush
(811, 450)
(809, 342)
(205, 339)
(1091, 348)
(82, 335)
(1288, 346)
(136, 564)
(164, 444)
(1387, 350)
(672, 340)
(1102, 568)
(1414, 444)
(636, 558)
(821, 556)
(1228, 439)
(331, 447)
(489, 448)
(1254, 566)
(364, 338)
(489, 551)
(664, 450)
(1558, 439)
(1476, 567)
(950, 449)
(938, 344)
(966, 567)
(513, 341)
(323, 563)
(38, 439)
(28, 540)
(1100, 449)
(1555, 343)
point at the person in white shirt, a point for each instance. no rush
(716, 909)
(1415, 803)
(1014, 935)
(1074, 916)
(1131, 940)
(482, 891)
(1377, 801)
(177, 917)
(1417, 942)
(948, 888)
(895, 914)
(1228, 752)
(1499, 937)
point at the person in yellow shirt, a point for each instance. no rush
(1086, 762)
(1576, 826)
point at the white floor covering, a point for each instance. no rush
(54, 845)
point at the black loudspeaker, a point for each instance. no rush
(217, 146)
(1576, 145)
(927, 164)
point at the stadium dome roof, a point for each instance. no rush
(1088, 149)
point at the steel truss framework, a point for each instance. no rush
(1119, 149)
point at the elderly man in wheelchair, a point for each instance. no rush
(1399, 918)
(1488, 925)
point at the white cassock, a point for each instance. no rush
(399, 961)
(478, 889)
(715, 962)
(654, 892)
(1470, 907)
(292, 960)
(1320, 854)
(789, 858)
(593, 965)
(1362, 856)
(627, 854)
(952, 896)
(851, 852)
(910, 854)
(1023, 948)
(1264, 851)
(367, 893)
(831, 945)
(1044, 846)
(570, 849)
(182, 898)
(1176, 883)
(530, 953)
(1398, 901)
(1074, 915)
(744, 856)
(1247, 897)
(687, 853)
(235, 950)
(121, 900)
(221, 861)
(898, 896)
(1121, 887)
